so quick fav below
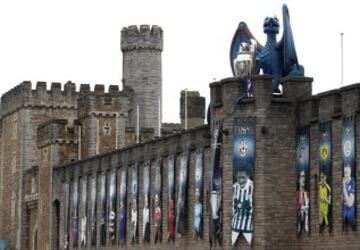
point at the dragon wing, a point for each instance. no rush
(242, 35)
(287, 45)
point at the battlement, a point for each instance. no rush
(224, 92)
(330, 104)
(102, 103)
(56, 131)
(57, 96)
(142, 38)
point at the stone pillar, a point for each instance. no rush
(274, 171)
(297, 86)
(194, 111)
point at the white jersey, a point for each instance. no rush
(242, 207)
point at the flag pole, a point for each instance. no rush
(342, 58)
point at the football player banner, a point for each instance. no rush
(66, 212)
(303, 180)
(122, 218)
(198, 206)
(243, 169)
(112, 208)
(325, 176)
(171, 197)
(93, 209)
(157, 201)
(75, 202)
(134, 205)
(215, 220)
(348, 173)
(181, 213)
(103, 210)
(146, 209)
(84, 200)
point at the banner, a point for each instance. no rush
(157, 201)
(348, 173)
(325, 176)
(303, 179)
(146, 209)
(75, 212)
(171, 197)
(67, 189)
(181, 213)
(84, 199)
(93, 209)
(103, 210)
(134, 203)
(198, 207)
(243, 172)
(215, 221)
(112, 208)
(122, 219)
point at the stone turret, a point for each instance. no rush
(142, 49)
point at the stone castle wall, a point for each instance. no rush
(123, 159)
(23, 110)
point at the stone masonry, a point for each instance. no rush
(142, 73)
(53, 137)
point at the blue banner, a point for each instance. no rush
(348, 173)
(171, 197)
(67, 189)
(134, 203)
(198, 206)
(325, 176)
(243, 171)
(112, 208)
(93, 217)
(84, 199)
(158, 201)
(146, 209)
(75, 212)
(123, 198)
(303, 179)
(216, 213)
(103, 210)
(183, 175)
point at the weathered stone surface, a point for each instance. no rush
(51, 138)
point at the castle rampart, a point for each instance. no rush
(143, 38)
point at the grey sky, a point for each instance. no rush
(80, 40)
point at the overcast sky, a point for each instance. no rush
(80, 40)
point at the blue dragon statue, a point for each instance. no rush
(278, 59)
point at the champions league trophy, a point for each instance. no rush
(278, 59)
(214, 204)
(245, 63)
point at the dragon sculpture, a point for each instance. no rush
(279, 59)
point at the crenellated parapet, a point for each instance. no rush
(142, 38)
(329, 105)
(58, 96)
(102, 103)
(23, 95)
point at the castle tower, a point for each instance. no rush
(142, 73)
